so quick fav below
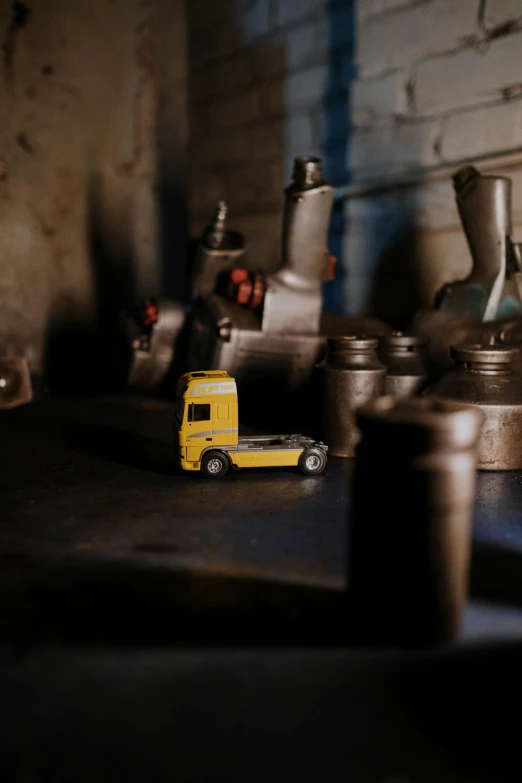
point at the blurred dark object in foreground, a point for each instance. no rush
(210, 714)
(408, 576)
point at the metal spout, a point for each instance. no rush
(215, 234)
(308, 208)
(293, 300)
(307, 172)
(484, 204)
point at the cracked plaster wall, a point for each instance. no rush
(92, 126)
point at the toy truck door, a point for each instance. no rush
(199, 429)
(224, 421)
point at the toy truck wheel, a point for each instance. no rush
(214, 464)
(312, 461)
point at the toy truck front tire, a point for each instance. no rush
(312, 461)
(214, 464)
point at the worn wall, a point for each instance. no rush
(92, 107)
(438, 85)
(393, 94)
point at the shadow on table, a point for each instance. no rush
(496, 574)
(245, 668)
(126, 448)
(100, 600)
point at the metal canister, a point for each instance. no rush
(401, 355)
(351, 375)
(482, 376)
(293, 300)
(410, 525)
(308, 209)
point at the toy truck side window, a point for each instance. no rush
(180, 411)
(199, 412)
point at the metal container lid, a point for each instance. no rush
(352, 343)
(403, 342)
(484, 355)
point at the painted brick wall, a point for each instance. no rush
(259, 72)
(438, 84)
(386, 92)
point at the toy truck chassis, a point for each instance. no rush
(299, 450)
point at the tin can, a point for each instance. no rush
(401, 355)
(483, 376)
(351, 375)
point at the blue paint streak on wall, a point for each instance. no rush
(342, 70)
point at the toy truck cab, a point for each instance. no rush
(208, 439)
(207, 414)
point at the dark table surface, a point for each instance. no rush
(100, 476)
(97, 478)
(91, 485)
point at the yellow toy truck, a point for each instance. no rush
(207, 423)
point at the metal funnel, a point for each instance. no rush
(484, 204)
(293, 301)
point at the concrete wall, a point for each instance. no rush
(92, 107)
(387, 92)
